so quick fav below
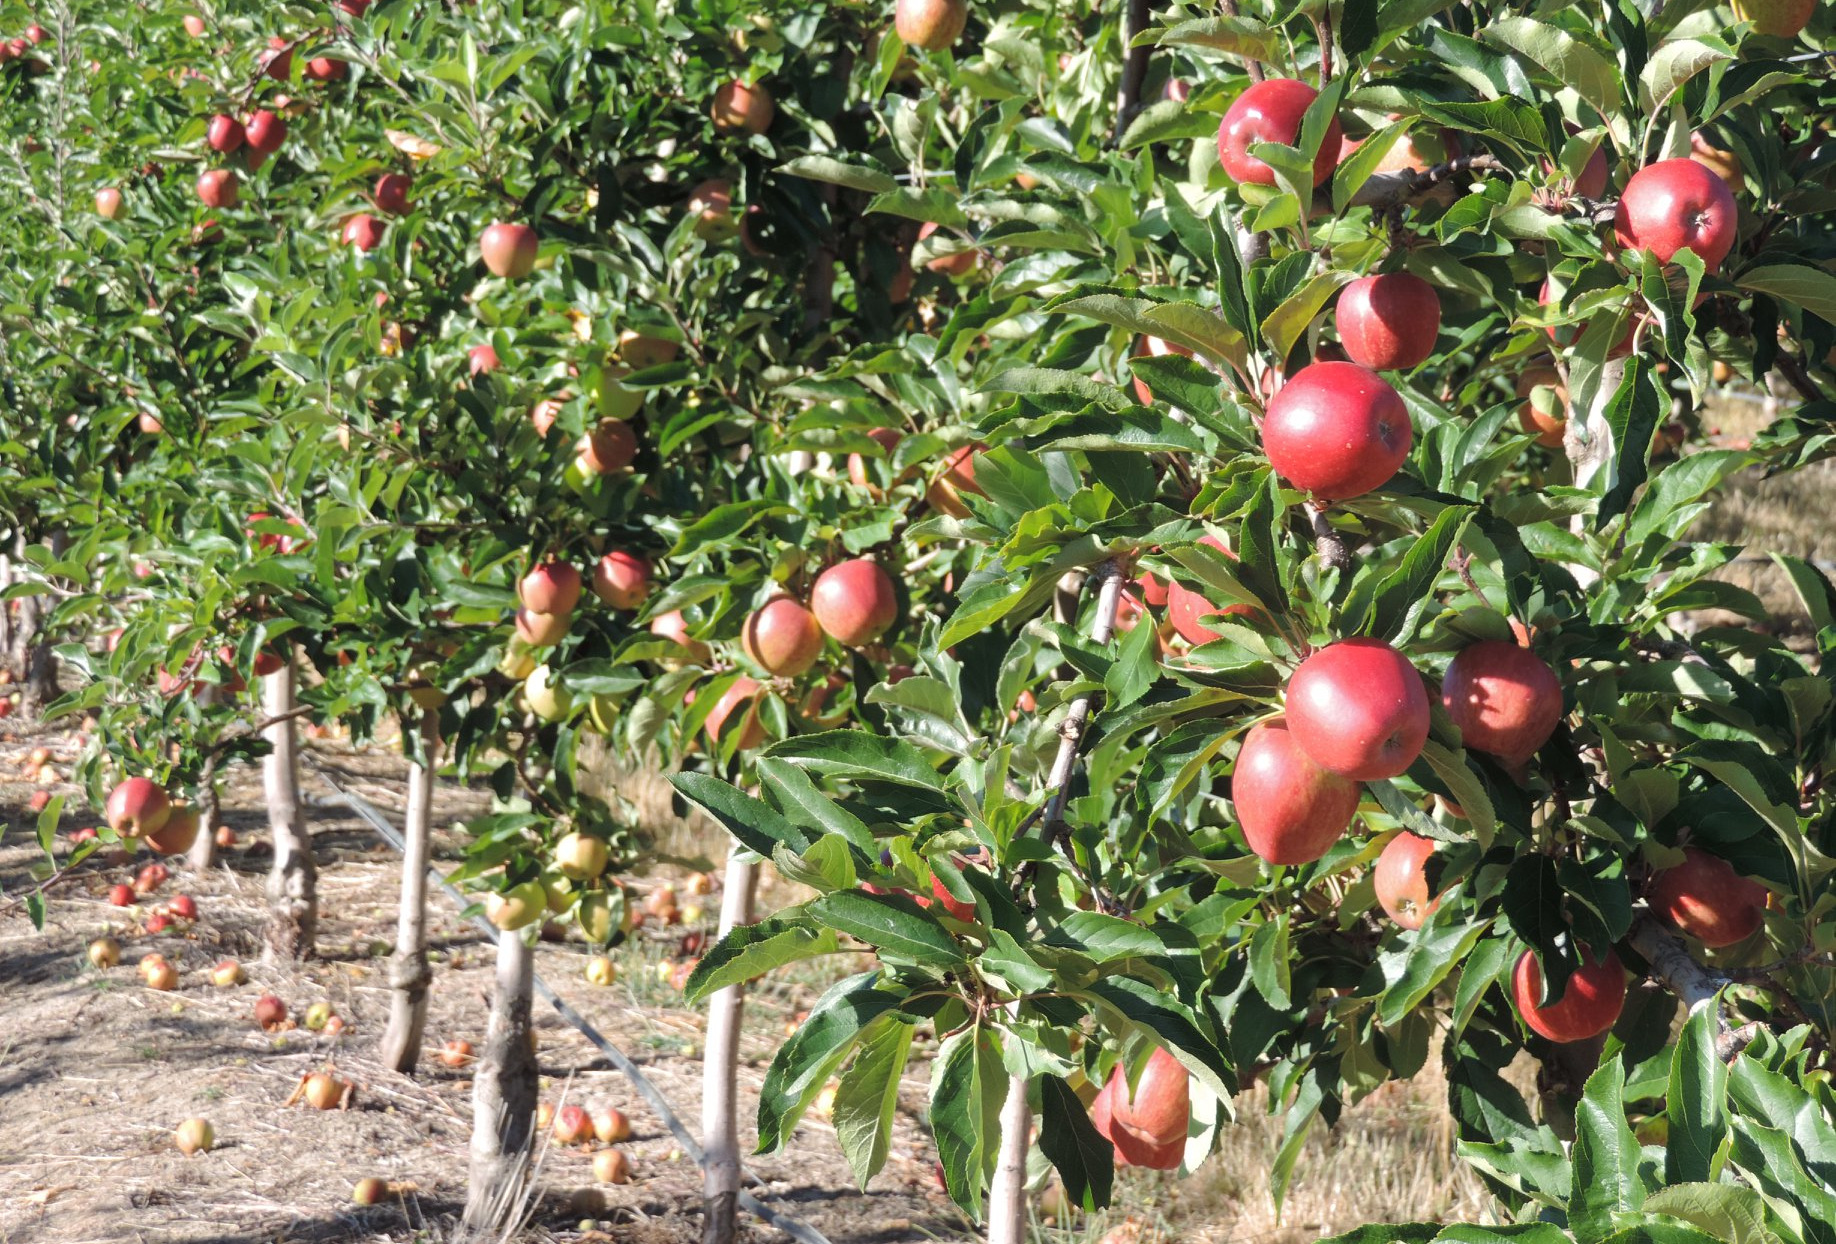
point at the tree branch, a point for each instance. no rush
(1134, 67)
(1387, 190)
(1251, 66)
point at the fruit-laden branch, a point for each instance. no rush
(1697, 986)
(1386, 190)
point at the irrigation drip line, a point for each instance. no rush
(793, 1227)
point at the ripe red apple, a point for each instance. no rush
(267, 662)
(1337, 430)
(1505, 700)
(855, 601)
(158, 922)
(162, 975)
(226, 837)
(1677, 203)
(217, 187)
(1401, 880)
(325, 69)
(955, 906)
(509, 250)
(121, 895)
(611, 1166)
(228, 974)
(194, 1136)
(136, 807)
(621, 580)
(178, 833)
(1291, 809)
(39, 800)
(958, 477)
(1705, 898)
(674, 626)
(323, 1090)
(105, 952)
(270, 1011)
(483, 359)
(551, 587)
(783, 637)
(36, 34)
(711, 203)
(958, 263)
(1359, 709)
(363, 231)
(265, 132)
(1389, 322)
(610, 1126)
(1154, 347)
(930, 24)
(183, 907)
(1271, 112)
(1549, 427)
(608, 449)
(751, 730)
(356, 8)
(194, 26)
(456, 1053)
(1590, 1005)
(1782, 19)
(572, 1126)
(370, 1191)
(1147, 1128)
(391, 194)
(739, 106)
(108, 203)
(1185, 607)
(225, 133)
(544, 413)
(278, 59)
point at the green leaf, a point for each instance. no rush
(1173, 1022)
(749, 951)
(1673, 64)
(1608, 1181)
(1728, 1213)
(1105, 938)
(1283, 326)
(1466, 787)
(1799, 284)
(841, 173)
(805, 804)
(855, 755)
(1633, 416)
(868, 1097)
(1404, 593)
(1696, 1104)
(1083, 1157)
(891, 923)
(1237, 36)
(752, 821)
(828, 865)
(1167, 120)
(805, 1061)
(1417, 969)
(1573, 61)
(968, 1084)
(1813, 589)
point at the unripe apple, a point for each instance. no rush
(1705, 898)
(581, 857)
(1549, 426)
(391, 193)
(217, 187)
(121, 895)
(370, 1191)
(178, 833)
(270, 1011)
(1291, 809)
(545, 1114)
(945, 492)
(550, 587)
(610, 1166)
(1389, 322)
(783, 637)
(316, 1016)
(608, 449)
(738, 106)
(518, 907)
(711, 204)
(225, 133)
(137, 807)
(547, 697)
(622, 580)
(1154, 347)
(509, 250)
(227, 975)
(1590, 1005)
(265, 132)
(324, 1091)
(750, 730)
(1271, 112)
(1504, 698)
(610, 1126)
(1782, 19)
(105, 952)
(108, 203)
(930, 24)
(538, 630)
(600, 971)
(1401, 880)
(1359, 709)
(674, 626)
(855, 602)
(162, 976)
(572, 1126)
(363, 231)
(1675, 204)
(194, 1136)
(456, 1053)
(1337, 430)
(640, 350)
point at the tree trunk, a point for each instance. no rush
(719, 1069)
(503, 1101)
(408, 974)
(293, 915)
(39, 667)
(1007, 1195)
(203, 851)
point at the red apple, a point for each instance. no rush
(945, 492)
(227, 974)
(182, 907)
(955, 906)
(551, 587)
(325, 69)
(711, 203)
(1337, 430)
(1359, 709)
(162, 975)
(151, 877)
(1705, 898)
(1505, 700)
(456, 1053)
(509, 250)
(1291, 809)
(621, 580)
(108, 203)
(363, 231)
(483, 359)
(1389, 322)
(783, 637)
(674, 626)
(540, 630)
(611, 1166)
(1675, 204)
(738, 106)
(751, 730)
(1590, 1005)
(36, 34)
(930, 24)
(39, 800)
(121, 895)
(855, 602)
(1781, 19)
(270, 1012)
(278, 59)
(194, 26)
(1549, 427)
(610, 1126)
(958, 263)
(266, 132)
(225, 133)
(178, 833)
(608, 449)
(1271, 112)
(1401, 880)
(370, 1191)
(267, 662)
(1185, 607)
(137, 807)
(391, 194)
(572, 1126)
(217, 187)
(1147, 1128)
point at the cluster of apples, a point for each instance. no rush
(18, 50)
(139, 809)
(581, 1125)
(580, 861)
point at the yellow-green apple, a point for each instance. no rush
(581, 856)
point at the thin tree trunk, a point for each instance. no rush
(39, 666)
(1007, 1195)
(293, 900)
(503, 1101)
(203, 851)
(719, 1069)
(409, 977)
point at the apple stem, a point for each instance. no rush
(1322, 27)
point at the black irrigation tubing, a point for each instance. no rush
(793, 1227)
